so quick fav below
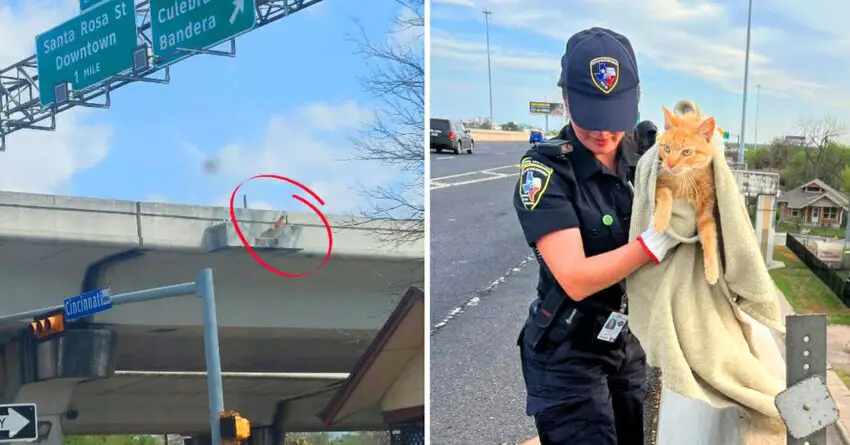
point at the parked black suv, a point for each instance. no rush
(447, 134)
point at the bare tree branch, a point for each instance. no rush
(819, 135)
(395, 135)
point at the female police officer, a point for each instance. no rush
(583, 369)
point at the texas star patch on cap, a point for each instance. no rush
(605, 73)
(533, 181)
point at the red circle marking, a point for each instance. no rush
(312, 207)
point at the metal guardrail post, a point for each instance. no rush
(805, 349)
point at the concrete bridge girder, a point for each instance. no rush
(321, 323)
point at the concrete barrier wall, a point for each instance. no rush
(498, 135)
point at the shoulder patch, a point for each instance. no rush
(533, 181)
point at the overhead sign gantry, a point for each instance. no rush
(112, 43)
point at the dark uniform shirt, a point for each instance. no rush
(574, 190)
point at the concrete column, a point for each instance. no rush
(765, 221)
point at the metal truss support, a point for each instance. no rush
(19, 95)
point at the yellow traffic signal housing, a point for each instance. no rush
(234, 427)
(48, 325)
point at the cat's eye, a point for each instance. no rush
(666, 148)
(687, 152)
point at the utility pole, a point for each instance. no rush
(487, 14)
(758, 101)
(746, 78)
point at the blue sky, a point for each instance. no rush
(685, 48)
(287, 104)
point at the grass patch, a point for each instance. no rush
(806, 293)
(843, 375)
(829, 232)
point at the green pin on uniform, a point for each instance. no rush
(607, 220)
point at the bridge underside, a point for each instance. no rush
(131, 404)
(267, 324)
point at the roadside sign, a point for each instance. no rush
(549, 108)
(196, 24)
(87, 304)
(798, 140)
(18, 423)
(88, 49)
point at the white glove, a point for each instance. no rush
(656, 244)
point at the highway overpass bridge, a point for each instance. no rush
(286, 344)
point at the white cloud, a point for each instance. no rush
(43, 161)
(313, 146)
(701, 40)
(693, 38)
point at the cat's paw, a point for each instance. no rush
(660, 222)
(712, 272)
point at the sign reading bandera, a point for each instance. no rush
(196, 25)
(550, 108)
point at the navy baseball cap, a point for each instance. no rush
(599, 78)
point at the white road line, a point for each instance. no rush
(444, 157)
(435, 186)
(458, 175)
(476, 297)
(436, 183)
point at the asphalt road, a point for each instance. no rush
(482, 280)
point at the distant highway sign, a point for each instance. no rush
(551, 108)
(798, 140)
(88, 49)
(18, 423)
(196, 24)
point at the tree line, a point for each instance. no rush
(820, 155)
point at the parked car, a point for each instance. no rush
(535, 136)
(447, 134)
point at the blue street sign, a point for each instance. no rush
(87, 304)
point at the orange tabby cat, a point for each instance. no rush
(686, 173)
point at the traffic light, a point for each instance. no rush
(233, 426)
(48, 325)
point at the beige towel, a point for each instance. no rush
(696, 333)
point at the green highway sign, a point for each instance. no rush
(196, 24)
(86, 4)
(88, 49)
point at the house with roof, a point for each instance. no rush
(813, 203)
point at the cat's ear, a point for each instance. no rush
(706, 128)
(670, 119)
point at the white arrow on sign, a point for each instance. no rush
(13, 422)
(238, 6)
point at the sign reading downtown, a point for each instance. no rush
(196, 25)
(86, 50)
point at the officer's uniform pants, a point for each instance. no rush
(586, 391)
